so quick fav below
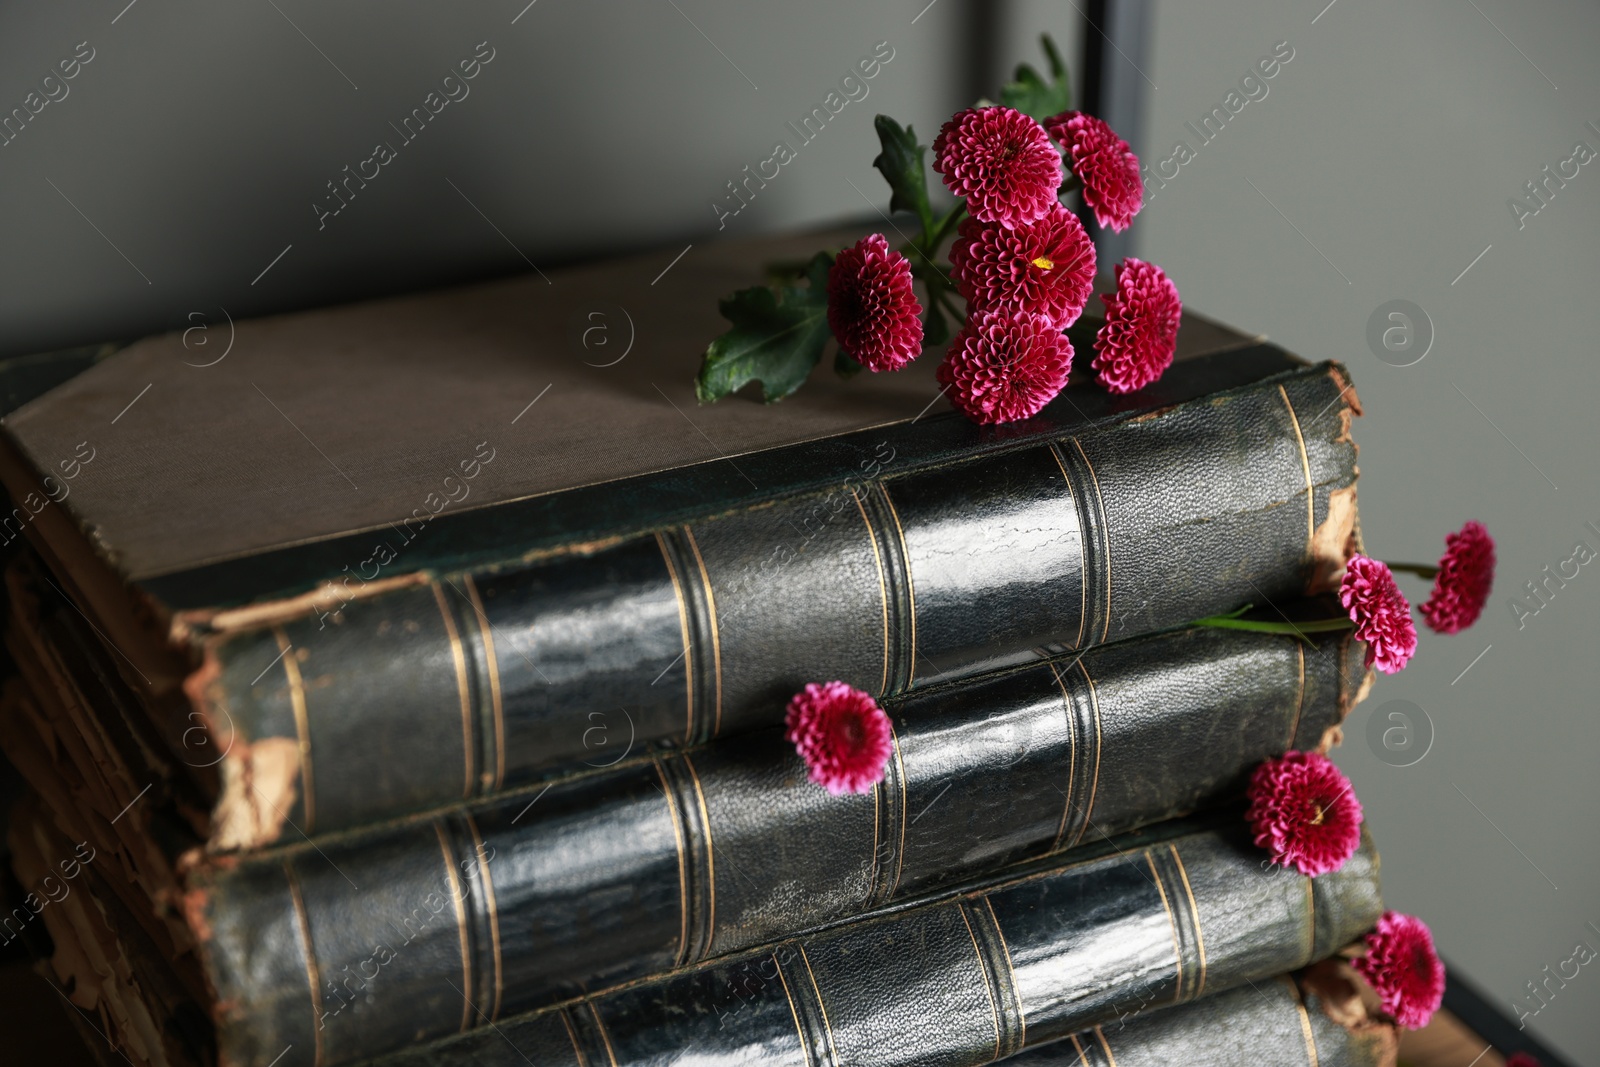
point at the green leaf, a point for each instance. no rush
(844, 366)
(1033, 95)
(776, 338)
(901, 165)
(1058, 69)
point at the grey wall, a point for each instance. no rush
(1392, 142)
(196, 141)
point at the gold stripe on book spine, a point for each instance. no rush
(896, 597)
(1094, 785)
(1072, 761)
(794, 1012)
(983, 972)
(1172, 923)
(1305, 466)
(1105, 532)
(688, 641)
(1080, 705)
(1105, 1046)
(302, 726)
(888, 809)
(572, 1035)
(1083, 559)
(900, 771)
(458, 654)
(883, 586)
(833, 1049)
(458, 899)
(492, 662)
(683, 873)
(716, 641)
(911, 584)
(1194, 911)
(711, 859)
(600, 1024)
(1011, 971)
(489, 903)
(1305, 1022)
(1095, 1050)
(303, 924)
(999, 976)
(1178, 901)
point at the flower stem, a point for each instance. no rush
(1293, 629)
(1421, 570)
(921, 252)
(1310, 626)
(944, 226)
(949, 308)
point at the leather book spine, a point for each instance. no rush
(671, 858)
(472, 683)
(961, 981)
(1277, 1022)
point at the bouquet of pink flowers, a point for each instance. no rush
(1021, 262)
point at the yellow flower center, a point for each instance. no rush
(1044, 263)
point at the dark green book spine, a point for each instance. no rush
(894, 578)
(1268, 1024)
(961, 981)
(368, 940)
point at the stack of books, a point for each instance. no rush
(405, 683)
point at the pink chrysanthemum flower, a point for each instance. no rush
(1112, 186)
(1140, 335)
(1046, 267)
(1461, 588)
(872, 308)
(842, 735)
(1522, 1059)
(1002, 162)
(1381, 612)
(1403, 968)
(1304, 813)
(1005, 365)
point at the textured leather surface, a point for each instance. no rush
(395, 387)
(1268, 1025)
(890, 581)
(640, 489)
(959, 981)
(674, 857)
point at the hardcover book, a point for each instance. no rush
(365, 589)
(680, 858)
(669, 858)
(1045, 953)
(1314, 1018)
(983, 970)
